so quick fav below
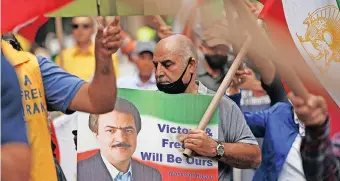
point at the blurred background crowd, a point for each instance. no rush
(140, 36)
(70, 43)
(74, 52)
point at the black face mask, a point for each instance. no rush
(216, 62)
(176, 87)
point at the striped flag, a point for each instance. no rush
(313, 27)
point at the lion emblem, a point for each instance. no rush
(322, 38)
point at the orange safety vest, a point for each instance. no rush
(33, 98)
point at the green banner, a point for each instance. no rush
(181, 108)
(155, 150)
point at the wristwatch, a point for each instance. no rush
(219, 150)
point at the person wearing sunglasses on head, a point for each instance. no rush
(79, 60)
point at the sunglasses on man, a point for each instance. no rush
(76, 26)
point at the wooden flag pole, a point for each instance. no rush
(60, 34)
(98, 7)
(159, 20)
(222, 89)
(262, 50)
(188, 28)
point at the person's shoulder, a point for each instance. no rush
(227, 102)
(68, 51)
(46, 65)
(282, 107)
(43, 60)
(336, 144)
(203, 90)
(89, 162)
(92, 168)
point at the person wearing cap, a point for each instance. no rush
(144, 79)
(213, 49)
(213, 66)
(116, 134)
(217, 56)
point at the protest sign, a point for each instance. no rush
(163, 118)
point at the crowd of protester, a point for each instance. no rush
(295, 132)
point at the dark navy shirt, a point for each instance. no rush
(13, 126)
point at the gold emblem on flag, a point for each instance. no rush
(322, 38)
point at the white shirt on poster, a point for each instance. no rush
(116, 175)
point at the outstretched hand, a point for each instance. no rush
(312, 112)
(108, 38)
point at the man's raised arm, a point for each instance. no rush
(99, 96)
(68, 93)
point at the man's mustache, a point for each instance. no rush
(162, 80)
(124, 145)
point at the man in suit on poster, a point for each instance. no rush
(116, 133)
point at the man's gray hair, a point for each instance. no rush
(186, 49)
(121, 105)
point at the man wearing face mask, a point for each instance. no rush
(212, 69)
(175, 60)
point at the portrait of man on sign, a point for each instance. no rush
(116, 134)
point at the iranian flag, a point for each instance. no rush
(313, 26)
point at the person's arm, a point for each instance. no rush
(270, 83)
(15, 161)
(68, 93)
(318, 159)
(275, 90)
(256, 120)
(15, 151)
(241, 149)
(270, 80)
(65, 92)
